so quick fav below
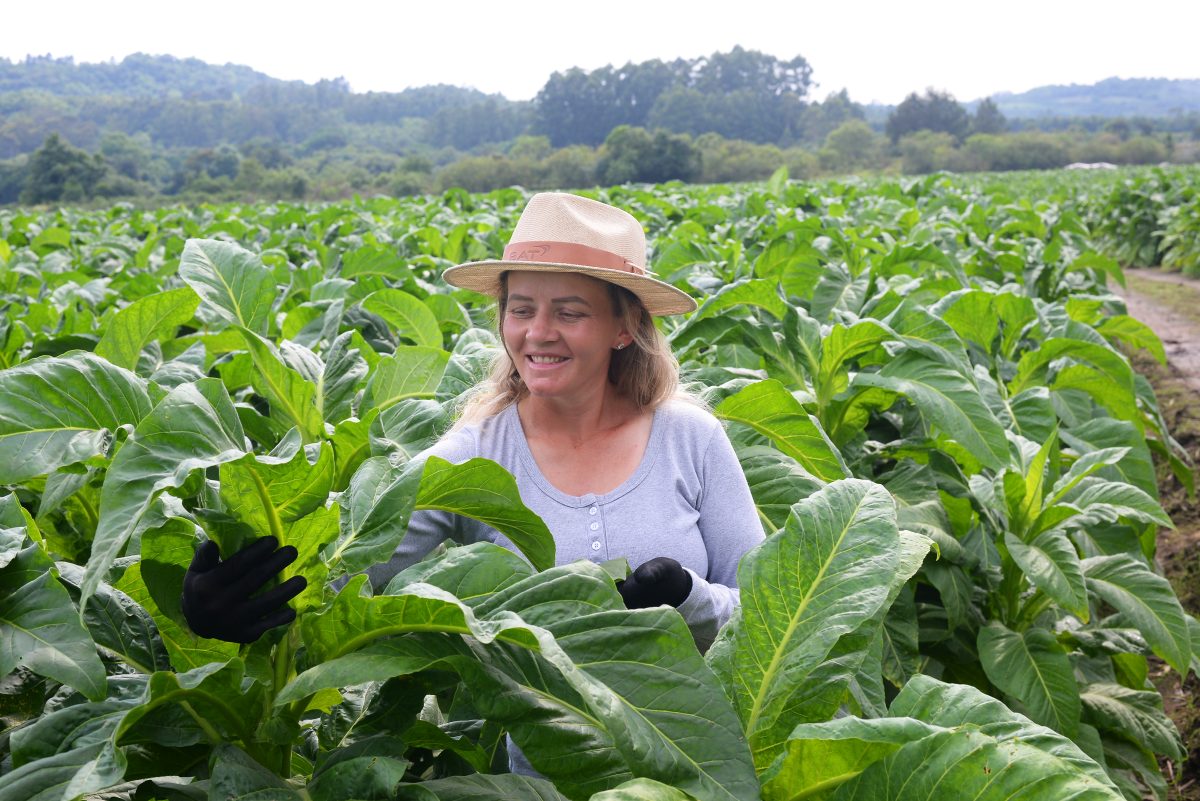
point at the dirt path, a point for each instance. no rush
(1170, 304)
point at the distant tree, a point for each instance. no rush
(267, 152)
(988, 118)
(935, 111)
(853, 144)
(221, 162)
(60, 172)
(489, 120)
(633, 154)
(534, 148)
(1120, 127)
(928, 151)
(818, 120)
(13, 175)
(741, 93)
(1141, 150)
(570, 168)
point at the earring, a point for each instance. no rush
(620, 345)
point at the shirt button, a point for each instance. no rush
(595, 546)
(594, 526)
(593, 510)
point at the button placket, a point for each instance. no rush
(594, 529)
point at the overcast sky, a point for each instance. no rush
(879, 51)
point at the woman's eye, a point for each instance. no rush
(570, 315)
(520, 311)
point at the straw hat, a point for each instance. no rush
(561, 233)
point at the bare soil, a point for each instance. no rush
(1170, 304)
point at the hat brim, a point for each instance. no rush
(659, 297)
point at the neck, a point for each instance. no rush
(572, 419)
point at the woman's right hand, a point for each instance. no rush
(217, 600)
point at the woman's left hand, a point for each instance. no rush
(659, 581)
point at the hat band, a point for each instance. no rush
(552, 252)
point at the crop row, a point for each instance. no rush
(928, 388)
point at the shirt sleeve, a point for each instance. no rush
(730, 526)
(428, 528)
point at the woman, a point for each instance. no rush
(583, 407)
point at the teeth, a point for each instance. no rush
(547, 359)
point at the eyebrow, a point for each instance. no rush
(568, 299)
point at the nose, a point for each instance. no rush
(541, 327)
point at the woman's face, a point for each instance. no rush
(560, 331)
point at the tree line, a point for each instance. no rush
(725, 117)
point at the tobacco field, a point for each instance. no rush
(928, 384)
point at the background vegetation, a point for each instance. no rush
(156, 128)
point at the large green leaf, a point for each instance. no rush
(233, 284)
(143, 321)
(642, 790)
(749, 292)
(404, 429)
(216, 694)
(411, 372)
(40, 628)
(410, 318)
(1133, 714)
(345, 368)
(119, 623)
(194, 427)
(57, 411)
(68, 775)
(268, 492)
(237, 777)
(481, 489)
(1050, 562)
(186, 650)
(957, 705)
(482, 787)
(289, 392)
(376, 507)
(777, 482)
(824, 574)
(947, 399)
(820, 757)
(839, 347)
(602, 695)
(938, 739)
(973, 765)
(368, 768)
(972, 314)
(1147, 602)
(1135, 467)
(1032, 667)
(469, 362)
(70, 727)
(770, 409)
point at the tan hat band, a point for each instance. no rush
(551, 252)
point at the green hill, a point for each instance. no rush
(1113, 97)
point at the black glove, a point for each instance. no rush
(216, 594)
(659, 581)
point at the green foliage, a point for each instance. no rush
(934, 111)
(61, 173)
(926, 387)
(634, 155)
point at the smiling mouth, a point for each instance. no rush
(547, 359)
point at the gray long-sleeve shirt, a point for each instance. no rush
(688, 499)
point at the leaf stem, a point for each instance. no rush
(212, 734)
(1033, 607)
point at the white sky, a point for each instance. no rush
(879, 51)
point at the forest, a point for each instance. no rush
(157, 128)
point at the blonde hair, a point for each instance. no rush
(646, 372)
